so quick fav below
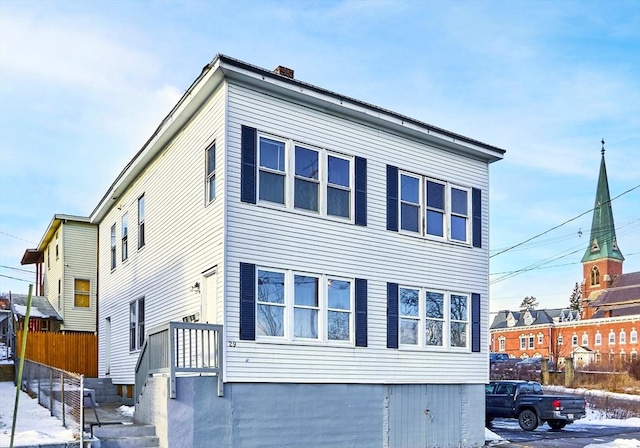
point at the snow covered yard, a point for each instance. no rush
(34, 424)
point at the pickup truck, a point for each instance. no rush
(525, 401)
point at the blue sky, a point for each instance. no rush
(84, 84)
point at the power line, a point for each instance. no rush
(16, 237)
(17, 269)
(16, 278)
(562, 224)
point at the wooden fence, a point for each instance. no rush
(73, 352)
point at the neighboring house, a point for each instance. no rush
(66, 271)
(341, 247)
(5, 318)
(606, 331)
(42, 316)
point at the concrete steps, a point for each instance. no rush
(126, 436)
(105, 391)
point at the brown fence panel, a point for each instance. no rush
(73, 352)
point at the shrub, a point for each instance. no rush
(634, 370)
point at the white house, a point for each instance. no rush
(341, 247)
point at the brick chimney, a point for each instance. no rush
(284, 71)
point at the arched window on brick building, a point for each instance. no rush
(595, 276)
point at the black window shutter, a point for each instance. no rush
(476, 211)
(475, 322)
(392, 198)
(361, 312)
(248, 165)
(392, 315)
(361, 191)
(247, 302)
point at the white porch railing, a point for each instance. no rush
(179, 348)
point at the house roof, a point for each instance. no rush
(32, 256)
(224, 67)
(40, 307)
(623, 292)
(602, 243)
(539, 317)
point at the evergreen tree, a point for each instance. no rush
(528, 303)
(575, 301)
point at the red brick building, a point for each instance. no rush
(606, 329)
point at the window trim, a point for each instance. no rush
(124, 237)
(210, 174)
(137, 328)
(290, 178)
(290, 307)
(447, 212)
(447, 320)
(141, 222)
(598, 338)
(75, 293)
(113, 239)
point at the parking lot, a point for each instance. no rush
(576, 435)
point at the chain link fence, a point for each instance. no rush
(57, 390)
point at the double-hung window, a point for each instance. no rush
(141, 235)
(303, 178)
(296, 306)
(433, 318)
(410, 209)
(273, 172)
(435, 208)
(81, 293)
(446, 208)
(113, 246)
(409, 316)
(523, 342)
(210, 182)
(338, 186)
(307, 179)
(136, 324)
(459, 220)
(125, 237)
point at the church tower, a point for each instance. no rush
(602, 261)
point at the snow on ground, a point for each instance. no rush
(127, 411)
(591, 392)
(34, 424)
(598, 417)
(618, 443)
(491, 437)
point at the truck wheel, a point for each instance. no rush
(528, 420)
(487, 420)
(557, 424)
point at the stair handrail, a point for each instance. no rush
(178, 348)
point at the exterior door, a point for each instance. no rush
(209, 298)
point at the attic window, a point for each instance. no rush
(528, 319)
(595, 247)
(511, 321)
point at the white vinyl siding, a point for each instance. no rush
(183, 238)
(270, 236)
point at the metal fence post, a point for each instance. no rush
(82, 411)
(64, 423)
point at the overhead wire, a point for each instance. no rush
(561, 224)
